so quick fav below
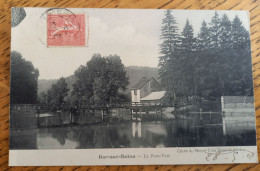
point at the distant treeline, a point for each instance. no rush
(134, 73)
(215, 63)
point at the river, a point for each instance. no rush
(132, 134)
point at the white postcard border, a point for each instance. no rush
(134, 156)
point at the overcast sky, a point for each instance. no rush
(131, 34)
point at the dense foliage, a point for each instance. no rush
(215, 63)
(56, 94)
(101, 81)
(24, 80)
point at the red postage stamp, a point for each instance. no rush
(66, 30)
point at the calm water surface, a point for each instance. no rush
(173, 133)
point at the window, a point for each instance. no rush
(135, 92)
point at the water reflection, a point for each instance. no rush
(241, 123)
(172, 133)
(136, 129)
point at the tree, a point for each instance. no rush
(229, 60)
(58, 92)
(170, 38)
(49, 97)
(169, 53)
(42, 98)
(188, 40)
(241, 44)
(204, 81)
(101, 81)
(170, 41)
(185, 77)
(24, 80)
(225, 40)
(216, 63)
(203, 39)
(215, 55)
(234, 58)
(214, 31)
(240, 36)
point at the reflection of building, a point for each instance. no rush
(148, 134)
(147, 90)
(239, 114)
(136, 129)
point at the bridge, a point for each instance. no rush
(127, 105)
(136, 108)
(64, 115)
(38, 115)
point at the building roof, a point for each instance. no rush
(156, 95)
(141, 83)
(238, 99)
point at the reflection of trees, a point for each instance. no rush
(60, 134)
(246, 138)
(110, 138)
(97, 136)
(23, 140)
(181, 133)
(100, 136)
(85, 136)
(187, 133)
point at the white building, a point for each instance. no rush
(147, 90)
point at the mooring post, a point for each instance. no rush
(140, 113)
(161, 113)
(210, 116)
(102, 115)
(38, 116)
(136, 114)
(200, 114)
(156, 112)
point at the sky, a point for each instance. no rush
(132, 34)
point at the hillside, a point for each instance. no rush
(44, 85)
(134, 73)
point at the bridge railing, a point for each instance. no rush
(28, 106)
(51, 107)
(124, 104)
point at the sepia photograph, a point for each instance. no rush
(127, 78)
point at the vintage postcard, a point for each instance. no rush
(130, 87)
